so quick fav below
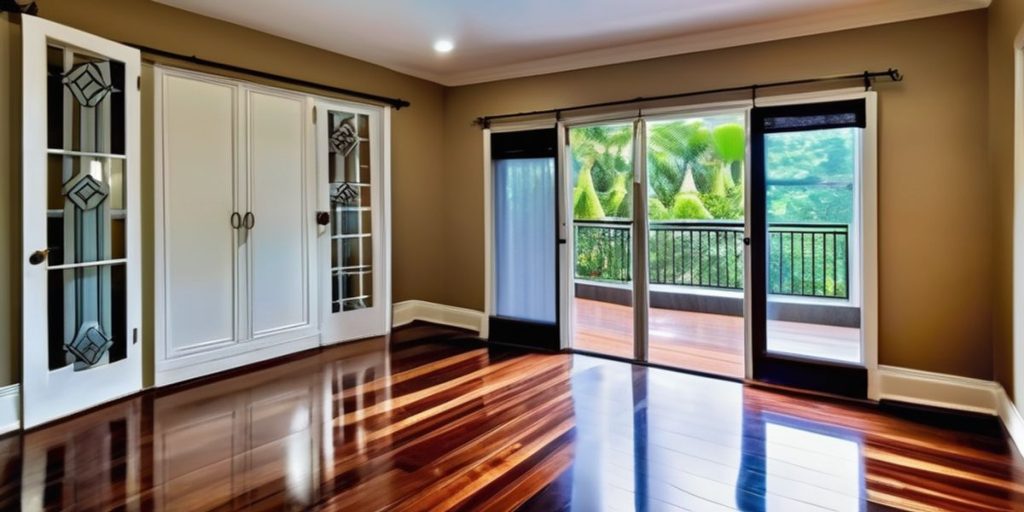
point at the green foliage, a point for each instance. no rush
(722, 182)
(687, 205)
(730, 142)
(656, 209)
(810, 176)
(700, 163)
(611, 201)
(605, 152)
(728, 207)
(587, 205)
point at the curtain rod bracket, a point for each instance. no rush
(753, 95)
(867, 80)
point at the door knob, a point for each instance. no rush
(323, 218)
(746, 240)
(39, 256)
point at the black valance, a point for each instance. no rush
(541, 143)
(810, 116)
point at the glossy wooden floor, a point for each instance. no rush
(701, 341)
(438, 422)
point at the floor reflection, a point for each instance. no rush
(435, 423)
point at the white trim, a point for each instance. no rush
(488, 234)
(10, 408)
(832, 20)
(938, 390)
(210, 363)
(410, 310)
(1012, 419)
(1017, 253)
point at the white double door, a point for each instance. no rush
(236, 271)
(272, 223)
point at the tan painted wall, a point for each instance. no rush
(1005, 20)
(937, 240)
(10, 198)
(416, 136)
(935, 192)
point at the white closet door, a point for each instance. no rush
(199, 246)
(280, 217)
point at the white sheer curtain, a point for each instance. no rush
(524, 221)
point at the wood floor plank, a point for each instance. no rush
(434, 420)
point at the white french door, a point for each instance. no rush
(351, 157)
(80, 227)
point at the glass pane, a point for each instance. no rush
(811, 195)
(695, 199)
(602, 167)
(85, 102)
(86, 316)
(85, 209)
(524, 222)
(351, 226)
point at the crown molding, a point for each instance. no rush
(819, 23)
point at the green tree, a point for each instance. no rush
(687, 203)
(587, 205)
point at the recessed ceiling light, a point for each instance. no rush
(443, 46)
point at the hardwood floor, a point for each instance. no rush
(438, 421)
(701, 341)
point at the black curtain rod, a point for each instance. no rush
(866, 76)
(397, 103)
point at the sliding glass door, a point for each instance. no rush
(695, 206)
(685, 253)
(525, 241)
(601, 158)
(807, 163)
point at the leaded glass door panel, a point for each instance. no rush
(351, 150)
(80, 221)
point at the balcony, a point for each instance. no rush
(696, 274)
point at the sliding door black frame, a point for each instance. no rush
(789, 370)
(537, 143)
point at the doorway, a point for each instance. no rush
(670, 188)
(702, 242)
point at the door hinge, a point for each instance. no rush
(314, 115)
(135, 335)
(138, 82)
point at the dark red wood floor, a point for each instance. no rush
(440, 422)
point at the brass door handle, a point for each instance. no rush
(39, 256)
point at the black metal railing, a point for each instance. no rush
(807, 260)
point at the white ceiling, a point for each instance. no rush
(497, 39)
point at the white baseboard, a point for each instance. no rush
(939, 390)
(410, 310)
(1012, 419)
(10, 408)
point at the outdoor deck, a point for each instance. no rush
(700, 341)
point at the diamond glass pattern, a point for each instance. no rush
(344, 139)
(87, 192)
(88, 83)
(90, 344)
(345, 193)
